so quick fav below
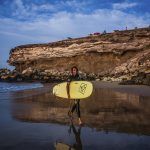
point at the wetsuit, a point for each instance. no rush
(76, 105)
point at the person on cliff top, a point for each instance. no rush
(76, 102)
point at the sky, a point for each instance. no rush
(41, 21)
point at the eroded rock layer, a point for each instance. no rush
(116, 56)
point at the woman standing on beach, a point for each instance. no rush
(76, 105)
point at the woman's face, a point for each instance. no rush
(74, 71)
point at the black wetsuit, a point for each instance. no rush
(76, 105)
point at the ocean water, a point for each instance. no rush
(10, 87)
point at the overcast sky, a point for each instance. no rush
(41, 21)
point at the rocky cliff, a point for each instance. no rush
(117, 56)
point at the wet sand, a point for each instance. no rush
(141, 90)
(115, 117)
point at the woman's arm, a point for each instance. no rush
(68, 86)
(68, 89)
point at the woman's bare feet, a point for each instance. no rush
(80, 122)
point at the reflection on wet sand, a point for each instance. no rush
(105, 110)
(60, 145)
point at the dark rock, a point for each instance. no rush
(141, 79)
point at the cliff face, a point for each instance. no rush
(119, 55)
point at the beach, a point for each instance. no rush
(115, 117)
(47, 42)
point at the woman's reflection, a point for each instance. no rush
(78, 143)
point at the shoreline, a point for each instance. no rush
(141, 90)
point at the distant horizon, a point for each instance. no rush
(44, 21)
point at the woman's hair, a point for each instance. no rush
(74, 67)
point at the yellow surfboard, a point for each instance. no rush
(78, 89)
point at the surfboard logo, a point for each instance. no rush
(82, 88)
